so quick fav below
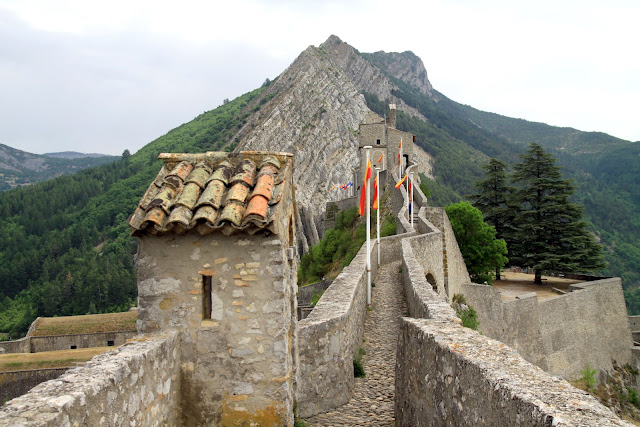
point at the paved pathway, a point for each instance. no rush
(372, 401)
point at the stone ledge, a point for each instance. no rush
(136, 383)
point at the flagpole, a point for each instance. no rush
(411, 197)
(367, 150)
(400, 159)
(378, 210)
(408, 196)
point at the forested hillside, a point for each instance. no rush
(19, 168)
(65, 246)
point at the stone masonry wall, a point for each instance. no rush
(329, 338)
(136, 384)
(456, 273)
(422, 300)
(447, 374)
(23, 345)
(427, 249)
(450, 375)
(17, 383)
(65, 342)
(237, 365)
(563, 334)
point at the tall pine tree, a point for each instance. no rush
(551, 234)
(494, 201)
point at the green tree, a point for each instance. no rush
(494, 201)
(482, 252)
(551, 235)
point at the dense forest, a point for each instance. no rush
(65, 245)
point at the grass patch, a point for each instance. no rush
(358, 369)
(91, 323)
(316, 297)
(465, 312)
(588, 377)
(48, 359)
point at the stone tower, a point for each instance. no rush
(381, 134)
(215, 261)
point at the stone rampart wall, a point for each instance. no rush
(455, 269)
(450, 375)
(422, 300)
(562, 334)
(23, 345)
(447, 374)
(136, 384)
(305, 293)
(17, 383)
(66, 342)
(329, 338)
(634, 323)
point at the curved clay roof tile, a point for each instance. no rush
(212, 195)
(164, 198)
(238, 193)
(264, 187)
(181, 215)
(179, 173)
(222, 172)
(270, 160)
(206, 214)
(156, 216)
(245, 172)
(200, 174)
(189, 196)
(232, 213)
(257, 208)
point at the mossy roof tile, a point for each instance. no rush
(214, 191)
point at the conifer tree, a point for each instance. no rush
(495, 202)
(551, 234)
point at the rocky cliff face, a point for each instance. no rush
(365, 76)
(408, 67)
(313, 110)
(314, 114)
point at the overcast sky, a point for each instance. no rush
(98, 76)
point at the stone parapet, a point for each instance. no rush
(422, 300)
(22, 345)
(329, 338)
(66, 342)
(136, 384)
(587, 325)
(450, 375)
(17, 383)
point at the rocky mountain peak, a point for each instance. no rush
(406, 66)
(313, 110)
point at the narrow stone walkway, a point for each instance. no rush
(372, 401)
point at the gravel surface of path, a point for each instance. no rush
(372, 401)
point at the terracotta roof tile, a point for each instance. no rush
(200, 174)
(214, 191)
(257, 207)
(213, 194)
